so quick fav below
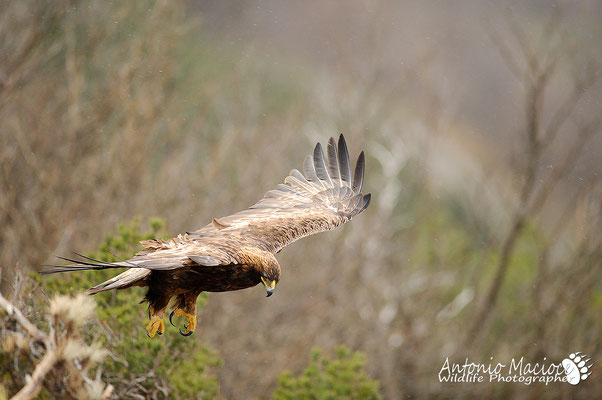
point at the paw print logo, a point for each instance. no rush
(575, 368)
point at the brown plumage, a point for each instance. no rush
(237, 251)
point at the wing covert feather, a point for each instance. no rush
(320, 199)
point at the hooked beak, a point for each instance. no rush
(269, 286)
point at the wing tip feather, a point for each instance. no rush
(321, 166)
(358, 174)
(333, 160)
(367, 199)
(344, 167)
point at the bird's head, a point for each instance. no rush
(270, 275)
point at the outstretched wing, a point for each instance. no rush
(321, 198)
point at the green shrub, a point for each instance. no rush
(340, 378)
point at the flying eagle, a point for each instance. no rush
(237, 251)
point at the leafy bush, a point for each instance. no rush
(340, 378)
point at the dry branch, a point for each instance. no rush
(15, 313)
(64, 353)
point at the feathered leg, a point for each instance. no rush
(156, 311)
(186, 307)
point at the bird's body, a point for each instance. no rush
(237, 251)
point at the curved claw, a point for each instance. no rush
(185, 334)
(190, 318)
(155, 326)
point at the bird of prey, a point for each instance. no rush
(237, 251)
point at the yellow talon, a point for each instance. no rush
(156, 324)
(190, 320)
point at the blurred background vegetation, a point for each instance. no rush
(481, 125)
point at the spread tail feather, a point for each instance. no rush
(83, 265)
(126, 279)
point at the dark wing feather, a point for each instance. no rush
(333, 161)
(310, 170)
(320, 200)
(320, 166)
(358, 174)
(344, 167)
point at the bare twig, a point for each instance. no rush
(506, 54)
(566, 110)
(15, 313)
(583, 135)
